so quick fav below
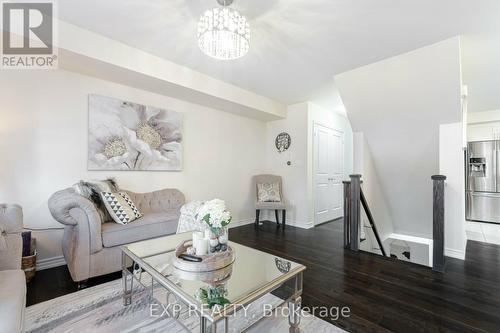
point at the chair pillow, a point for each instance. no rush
(268, 192)
(121, 208)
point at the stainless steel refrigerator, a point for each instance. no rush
(483, 181)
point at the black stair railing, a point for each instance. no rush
(354, 199)
(372, 222)
(438, 259)
(347, 214)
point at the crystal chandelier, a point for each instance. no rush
(223, 33)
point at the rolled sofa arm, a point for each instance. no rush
(11, 244)
(11, 218)
(71, 209)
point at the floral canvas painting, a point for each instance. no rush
(130, 136)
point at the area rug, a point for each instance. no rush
(100, 310)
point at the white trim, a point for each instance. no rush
(50, 263)
(309, 225)
(454, 253)
(241, 223)
(297, 224)
(416, 240)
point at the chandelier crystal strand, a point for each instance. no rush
(223, 33)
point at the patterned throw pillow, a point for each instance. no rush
(268, 192)
(121, 208)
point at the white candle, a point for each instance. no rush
(197, 235)
(201, 246)
(207, 233)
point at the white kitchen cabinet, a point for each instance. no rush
(483, 131)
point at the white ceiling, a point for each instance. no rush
(297, 46)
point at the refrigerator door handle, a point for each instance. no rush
(485, 194)
(497, 165)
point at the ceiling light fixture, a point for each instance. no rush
(223, 33)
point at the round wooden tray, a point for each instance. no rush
(209, 263)
(213, 278)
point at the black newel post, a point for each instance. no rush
(355, 211)
(438, 222)
(347, 215)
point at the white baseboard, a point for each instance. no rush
(302, 225)
(454, 253)
(240, 223)
(293, 223)
(50, 262)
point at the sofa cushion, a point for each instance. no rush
(149, 226)
(12, 300)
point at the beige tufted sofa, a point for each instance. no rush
(91, 247)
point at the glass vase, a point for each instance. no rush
(218, 240)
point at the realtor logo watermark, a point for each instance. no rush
(28, 33)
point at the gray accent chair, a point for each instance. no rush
(91, 247)
(276, 206)
(12, 278)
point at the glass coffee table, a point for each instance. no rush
(214, 296)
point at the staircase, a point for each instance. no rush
(397, 105)
(355, 203)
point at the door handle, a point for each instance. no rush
(485, 195)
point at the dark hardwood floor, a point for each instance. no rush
(54, 282)
(383, 294)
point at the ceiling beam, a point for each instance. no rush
(92, 54)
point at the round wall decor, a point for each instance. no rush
(283, 142)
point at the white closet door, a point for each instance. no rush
(328, 173)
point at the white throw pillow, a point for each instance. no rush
(121, 208)
(268, 192)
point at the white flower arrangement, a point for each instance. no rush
(214, 214)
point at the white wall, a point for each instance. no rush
(295, 175)
(297, 178)
(451, 164)
(399, 103)
(43, 144)
(372, 188)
